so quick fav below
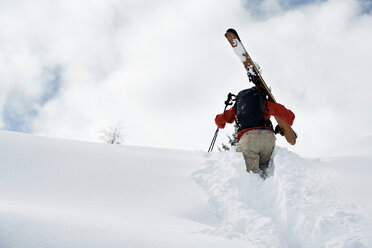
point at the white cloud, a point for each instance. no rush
(164, 68)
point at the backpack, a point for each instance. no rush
(250, 109)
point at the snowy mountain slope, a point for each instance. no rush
(61, 193)
(296, 207)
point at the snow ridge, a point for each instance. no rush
(295, 207)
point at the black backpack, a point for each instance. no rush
(250, 109)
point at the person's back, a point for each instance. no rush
(256, 139)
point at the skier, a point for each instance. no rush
(256, 139)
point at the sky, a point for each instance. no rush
(162, 69)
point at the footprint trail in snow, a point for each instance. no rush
(294, 207)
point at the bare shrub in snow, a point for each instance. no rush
(113, 134)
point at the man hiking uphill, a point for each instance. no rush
(256, 139)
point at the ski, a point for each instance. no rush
(255, 76)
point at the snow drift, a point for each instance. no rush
(61, 193)
(295, 207)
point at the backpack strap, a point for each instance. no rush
(268, 123)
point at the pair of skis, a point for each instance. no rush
(254, 74)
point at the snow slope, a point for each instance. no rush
(62, 193)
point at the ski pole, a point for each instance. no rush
(213, 140)
(228, 102)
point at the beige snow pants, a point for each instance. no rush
(257, 146)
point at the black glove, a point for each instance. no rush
(278, 130)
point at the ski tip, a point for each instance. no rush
(233, 31)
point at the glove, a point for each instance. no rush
(220, 121)
(278, 130)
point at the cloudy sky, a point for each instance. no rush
(163, 68)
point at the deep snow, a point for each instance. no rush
(63, 193)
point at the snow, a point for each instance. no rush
(64, 193)
(251, 71)
(239, 50)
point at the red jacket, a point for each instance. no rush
(273, 109)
